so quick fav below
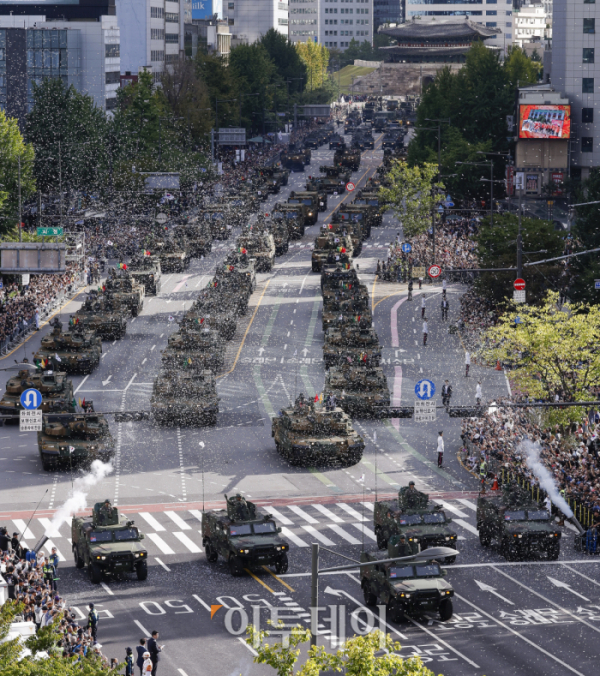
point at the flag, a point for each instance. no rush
(189, 361)
(74, 403)
(147, 253)
(171, 318)
(57, 358)
(316, 398)
(71, 449)
(122, 266)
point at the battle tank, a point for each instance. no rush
(173, 258)
(347, 157)
(373, 201)
(74, 439)
(280, 231)
(412, 514)
(146, 270)
(334, 180)
(316, 195)
(204, 349)
(101, 313)
(352, 344)
(227, 293)
(293, 216)
(295, 158)
(345, 300)
(240, 268)
(56, 390)
(260, 246)
(198, 238)
(278, 174)
(309, 435)
(357, 215)
(358, 390)
(345, 229)
(126, 291)
(211, 314)
(334, 275)
(76, 351)
(184, 397)
(310, 208)
(329, 249)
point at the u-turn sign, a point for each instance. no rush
(31, 399)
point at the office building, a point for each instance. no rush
(333, 23)
(530, 25)
(65, 10)
(387, 11)
(249, 20)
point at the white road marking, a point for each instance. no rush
(150, 520)
(353, 513)
(287, 533)
(197, 513)
(369, 505)
(318, 536)
(178, 520)
(301, 513)
(49, 546)
(164, 565)
(144, 630)
(466, 526)
(160, 543)
(107, 589)
(467, 503)
(185, 540)
(49, 528)
(342, 533)
(328, 513)
(83, 381)
(279, 516)
(450, 508)
(23, 529)
(367, 531)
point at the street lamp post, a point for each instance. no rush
(439, 131)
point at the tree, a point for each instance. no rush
(316, 59)
(412, 195)
(585, 269)
(221, 84)
(286, 59)
(497, 248)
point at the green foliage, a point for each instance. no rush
(286, 60)
(497, 248)
(412, 195)
(316, 59)
(586, 269)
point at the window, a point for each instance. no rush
(171, 17)
(114, 77)
(231, 5)
(156, 12)
(171, 38)
(491, 12)
(112, 51)
(509, 24)
(111, 104)
(230, 22)
(490, 24)
(157, 34)
(171, 58)
(589, 25)
(588, 55)
(587, 144)
(282, 22)
(587, 115)
(589, 2)
(587, 85)
(157, 55)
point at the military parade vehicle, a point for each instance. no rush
(353, 343)
(318, 196)
(126, 291)
(213, 311)
(354, 213)
(335, 141)
(198, 237)
(295, 158)
(372, 201)
(295, 217)
(232, 293)
(309, 434)
(517, 524)
(358, 391)
(338, 275)
(173, 258)
(238, 206)
(363, 139)
(221, 219)
(102, 314)
(203, 349)
(244, 536)
(108, 543)
(66, 440)
(406, 588)
(278, 227)
(276, 176)
(310, 207)
(334, 181)
(412, 514)
(393, 139)
(56, 390)
(260, 246)
(184, 397)
(240, 269)
(146, 270)
(344, 306)
(329, 248)
(347, 157)
(346, 228)
(74, 351)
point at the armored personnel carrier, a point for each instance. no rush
(294, 217)
(184, 397)
(108, 543)
(310, 435)
(238, 206)
(260, 246)
(74, 439)
(353, 344)
(346, 228)
(75, 351)
(353, 213)
(278, 174)
(200, 350)
(221, 219)
(334, 181)
(277, 227)
(346, 307)
(373, 201)
(317, 195)
(102, 314)
(172, 257)
(212, 312)
(517, 524)
(146, 271)
(310, 209)
(126, 291)
(347, 157)
(56, 390)
(336, 141)
(244, 536)
(198, 237)
(414, 516)
(358, 391)
(240, 270)
(329, 249)
(337, 275)
(227, 294)
(295, 158)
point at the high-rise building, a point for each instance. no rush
(530, 25)
(333, 23)
(388, 11)
(249, 20)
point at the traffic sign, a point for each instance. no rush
(518, 320)
(519, 296)
(31, 399)
(406, 247)
(441, 209)
(434, 271)
(449, 203)
(30, 421)
(425, 389)
(50, 232)
(424, 411)
(350, 187)
(519, 284)
(161, 218)
(596, 284)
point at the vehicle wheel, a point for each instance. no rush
(395, 612)
(47, 466)
(141, 571)
(95, 573)
(212, 420)
(446, 610)
(381, 540)
(553, 553)
(211, 553)
(235, 566)
(369, 597)
(485, 539)
(507, 552)
(79, 562)
(282, 565)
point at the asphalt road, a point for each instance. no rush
(536, 618)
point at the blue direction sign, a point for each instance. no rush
(425, 389)
(31, 399)
(406, 247)
(449, 203)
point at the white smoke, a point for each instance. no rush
(531, 451)
(81, 487)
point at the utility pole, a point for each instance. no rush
(20, 217)
(60, 183)
(519, 238)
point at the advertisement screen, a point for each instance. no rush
(544, 121)
(204, 9)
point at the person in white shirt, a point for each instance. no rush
(467, 363)
(440, 448)
(425, 330)
(478, 394)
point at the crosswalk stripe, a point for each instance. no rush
(160, 543)
(24, 531)
(367, 531)
(178, 520)
(279, 516)
(369, 505)
(319, 536)
(301, 513)
(184, 539)
(328, 513)
(353, 513)
(151, 521)
(49, 528)
(48, 547)
(342, 533)
(467, 503)
(466, 525)
(451, 508)
(287, 533)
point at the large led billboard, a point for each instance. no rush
(544, 121)
(204, 9)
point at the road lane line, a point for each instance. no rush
(301, 513)
(343, 534)
(164, 565)
(197, 513)
(279, 516)
(160, 543)
(49, 546)
(367, 531)
(151, 521)
(144, 630)
(185, 540)
(83, 381)
(243, 642)
(589, 579)
(353, 513)
(202, 603)
(266, 586)
(466, 525)
(467, 503)
(23, 529)
(450, 508)
(106, 588)
(328, 513)
(287, 533)
(285, 584)
(178, 520)
(318, 536)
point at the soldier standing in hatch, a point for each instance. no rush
(411, 495)
(106, 513)
(402, 548)
(240, 507)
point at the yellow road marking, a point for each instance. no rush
(237, 356)
(285, 584)
(266, 586)
(396, 293)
